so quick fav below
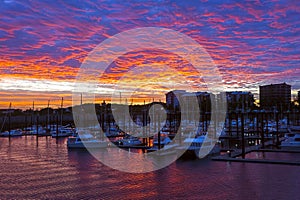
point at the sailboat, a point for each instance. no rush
(10, 133)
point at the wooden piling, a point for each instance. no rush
(9, 121)
(277, 130)
(37, 130)
(262, 131)
(25, 126)
(237, 124)
(57, 121)
(243, 136)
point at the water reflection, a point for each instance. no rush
(51, 171)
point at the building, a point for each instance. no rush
(173, 98)
(240, 101)
(298, 97)
(204, 100)
(187, 99)
(275, 96)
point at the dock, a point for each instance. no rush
(230, 159)
(236, 155)
(132, 147)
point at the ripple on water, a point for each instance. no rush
(50, 171)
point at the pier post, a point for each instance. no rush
(243, 136)
(31, 123)
(202, 120)
(37, 130)
(205, 118)
(229, 129)
(237, 124)
(179, 131)
(25, 125)
(262, 131)
(229, 124)
(257, 126)
(9, 125)
(277, 130)
(158, 127)
(267, 124)
(57, 128)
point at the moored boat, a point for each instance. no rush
(292, 141)
(84, 141)
(12, 133)
(159, 144)
(164, 140)
(201, 146)
(128, 141)
(62, 132)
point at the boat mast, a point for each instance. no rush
(61, 111)
(4, 120)
(32, 115)
(48, 115)
(9, 115)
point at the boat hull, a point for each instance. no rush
(92, 145)
(13, 133)
(194, 153)
(290, 146)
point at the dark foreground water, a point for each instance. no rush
(50, 171)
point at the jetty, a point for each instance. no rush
(238, 155)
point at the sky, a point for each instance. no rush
(44, 43)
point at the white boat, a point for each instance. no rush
(12, 133)
(169, 149)
(128, 141)
(62, 132)
(27, 131)
(292, 141)
(295, 128)
(200, 147)
(86, 140)
(112, 132)
(164, 140)
(270, 130)
(34, 131)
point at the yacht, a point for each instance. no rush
(167, 149)
(35, 131)
(62, 132)
(164, 140)
(295, 128)
(292, 141)
(112, 132)
(12, 133)
(270, 130)
(201, 146)
(86, 140)
(128, 141)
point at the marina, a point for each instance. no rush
(149, 100)
(241, 131)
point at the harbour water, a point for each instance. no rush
(50, 171)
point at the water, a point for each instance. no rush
(283, 156)
(50, 171)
